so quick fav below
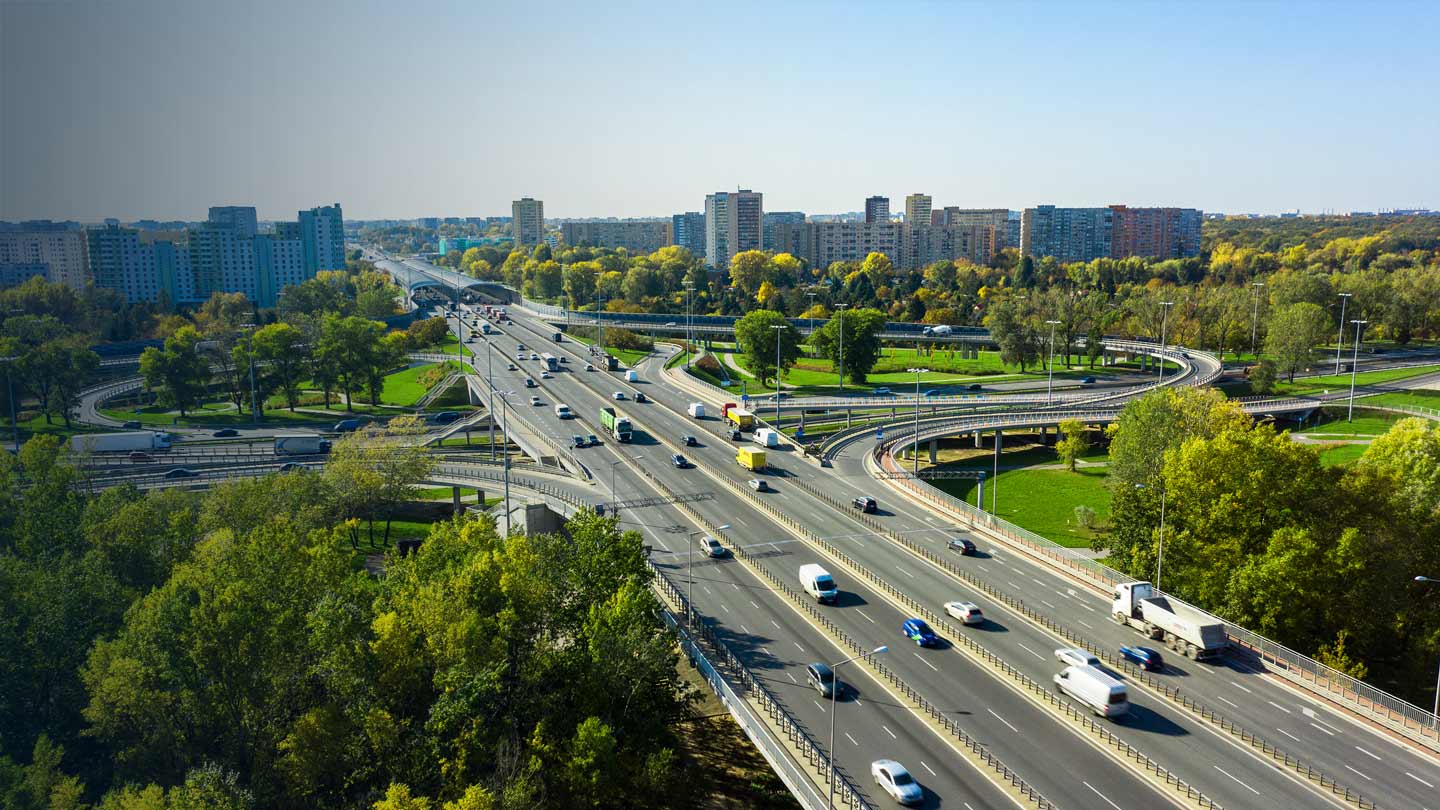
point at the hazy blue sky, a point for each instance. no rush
(133, 109)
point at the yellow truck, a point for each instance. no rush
(740, 418)
(750, 458)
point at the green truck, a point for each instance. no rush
(617, 425)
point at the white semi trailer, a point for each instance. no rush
(120, 442)
(1187, 630)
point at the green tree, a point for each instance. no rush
(751, 268)
(1291, 333)
(1262, 377)
(861, 341)
(374, 469)
(1073, 444)
(177, 373)
(756, 336)
(284, 354)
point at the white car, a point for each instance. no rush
(1076, 657)
(534, 356)
(534, 400)
(545, 375)
(618, 395)
(966, 612)
(713, 547)
(759, 485)
(892, 778)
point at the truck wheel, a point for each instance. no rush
(1118, 617)
(1191, 650)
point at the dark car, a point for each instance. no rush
(181, 472)
(1087, 380)
(933, 392)
(577, 441)
(346, 425)
(639, 397)
(736, 435)
(964, 545)
(865, 503)
(445, 417)
(291, 466)
(140, 457)
(227, 433)
(132, 425)
(680, 461)
(592, 440)
(689, 441)
(973, 387)
(919, 632)
(1144, 656)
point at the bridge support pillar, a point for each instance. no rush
(480, 498)
(455, 499)
(979, 442)
(847, 417)
(934, 445)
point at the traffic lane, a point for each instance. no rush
(1383, 767)
(777, 651)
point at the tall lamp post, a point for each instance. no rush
(1354, 361)
(10, 383)
(1340, 339)
(690, 568)
(834, 692)
(1164, 321)
(250, 355)
(777, 328)
(1435, 709)
(1050, 383)
(1255, 320)
(916, 446)
(505, 428)
(1160, 553)
(689, 338)
(840, 313)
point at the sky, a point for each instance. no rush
(405, 109)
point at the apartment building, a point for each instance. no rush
(732, 225)
(322, 237)
(59, 246)
(688, 231)
(1161, 233)
(120, 262)
(635, 235)
(528, 220)
(238, 218)
(917, 209)
(877, 209)
(1068, 234)
(771, 221)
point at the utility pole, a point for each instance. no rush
(1354, 361)
(1255, 322)
(777, 329)
(1050, 383)
(916, 446)
(1164, 317)
(10, 382)
(840, 313)
(1340, 339)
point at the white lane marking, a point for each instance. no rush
(1287, 734)
(1011, 584)
(1101, 795)
(1361, 775)
(888, 731)
(791, 677)
(706, 588)
(1087, 607)
(927, 767)
(1003, 720)
(862, 613)
(1311, 714)
(766, 650)
(817, 704)
(1326, 730)
(1043, 602)
(1083, 623)
(725, 607)
(797, 646)
(1064, 595)
(903, 571)
(1418, 779)
(1278, 706)
(1227, 773)
(1231, 702)
(752, 604)
(744, 629)
(852, 739)
(856, 701)
(1367, 753)
(1238, 686)
(737, 585)
(1037, 582)
(983, 568)
(1032, 652)
(777, 627)
(926, 663)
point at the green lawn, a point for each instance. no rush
(1043, 501)
(36, 426)
(404, 387)
(1362, 427)
(221, 414)
(1341, 455)
(1421, 398)
(627, 356)
(1334, 381)
(447, 346)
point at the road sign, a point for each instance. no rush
(880, 435)
(744, 397)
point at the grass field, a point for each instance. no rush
(627, 356)
(404, 387)
(1364, 426)
(1341, 455)
(1403, 399)
(1043, 501)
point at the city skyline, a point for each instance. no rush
(157, 110)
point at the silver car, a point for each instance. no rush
(892, 778)
(1076, 657)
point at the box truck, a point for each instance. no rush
(617, 425)
(818, 583)
(300, 444)
(767, 437)
(696, 410)
(1101, 693)
(740, 418)
(120, 442)
(1187, 630)
(750, 459)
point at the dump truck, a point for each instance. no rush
(617, 425)
(300, 444)
(1187, 630)
(120, 442)
(740, 418)
(750, 458)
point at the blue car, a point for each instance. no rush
(1147, 658)
(919, 632)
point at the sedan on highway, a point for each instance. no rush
(689, 441)
(961, 545)
(618, 395)
(919, 632)
(577, 442)
(181, 472)
(1076, 657)
(713, 547)
(227, 433)
(640, 397)
(759, 485)
(1147, 658)
(592, 440)
(132, 425)
(534, 400)
(291, 466)
(680, 461)
(966, 612)
(892, 778)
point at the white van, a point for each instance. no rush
(562, 411)
(818, 583)
(766, 437)
(1103, 694)
(632, 376)
(696, 410)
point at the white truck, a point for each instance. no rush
(300, 444)
(1101, 693)
(818, 583)
(120, 442)
(696, 410)
(632, 376)
(937, 331)
(1187, 630)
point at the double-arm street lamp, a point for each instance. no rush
(835, 691)
(1164, 320)
(1354, 361)
(915, 448)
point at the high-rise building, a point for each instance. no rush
(994, 224)
(877, 209)
(221, 261)
(635, 235)
(1068, 234)
(917, 209)
(852, 241)
(1160, 233)
(12, 275)
(119, 262)
(279, 263)
(528, 219)
(795, 238)
(322, 237)
(769, 223)
(688, 230)
(732, 225)
(239, 218)
(172, 270)
(57, 245)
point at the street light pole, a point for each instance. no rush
(690, 568)
(1435, 710)
(505, 428)
(1255, 321)
(1050, 383)
(1354, 361)
(840, 313)
(777, 329)
(916, 446)
(10, 383)
(1340, 339)
(1160, 554)
(1164, 319)
(490, 379)
(689, 338)
(834, 691)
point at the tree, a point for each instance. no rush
(1262, 377)
(284, 356)
(1409, 454)
(373, 470)
(861, 346)
(1292, 332)
(749, 269)
(178, 372)
(1074, 443)
(756, 337)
